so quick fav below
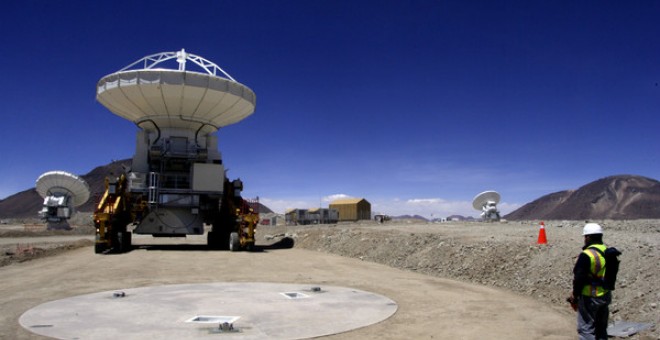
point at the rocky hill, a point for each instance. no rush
(27, 203)
(622, 197)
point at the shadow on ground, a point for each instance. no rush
(284, 243)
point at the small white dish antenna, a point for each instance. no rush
(486, 202)
(62, 183)
(61, 192)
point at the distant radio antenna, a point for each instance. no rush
(486, 202)
(62, 192)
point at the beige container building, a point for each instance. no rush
(352, 209)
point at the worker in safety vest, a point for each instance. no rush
(590, 299)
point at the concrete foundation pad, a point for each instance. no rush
(242, 310)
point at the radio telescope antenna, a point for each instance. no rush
(62, 192)
(486, 202)
(177, 180)
(148, 91)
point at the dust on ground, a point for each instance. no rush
(33, 241)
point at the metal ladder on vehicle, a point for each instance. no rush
(153, 188)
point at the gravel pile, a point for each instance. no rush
(504, 255)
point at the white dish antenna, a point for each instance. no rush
(483, 198)
(154, 97)
(486, 202)
(63, 184)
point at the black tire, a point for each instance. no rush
(211, 240)
(119, 245)
(234, 242)
(125, 240)
(100, 248)
(217, 240)
(121, 242)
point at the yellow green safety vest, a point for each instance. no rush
(595, 288)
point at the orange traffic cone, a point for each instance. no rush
(542, 239)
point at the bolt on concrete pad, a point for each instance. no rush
(258, 311)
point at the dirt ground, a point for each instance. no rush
(503, 285)
(507, 256)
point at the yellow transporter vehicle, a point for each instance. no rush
(115, 212)
(176, 183)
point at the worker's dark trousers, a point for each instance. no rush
(592, 317)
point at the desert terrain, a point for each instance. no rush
(451, 280)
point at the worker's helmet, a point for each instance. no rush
(591, 229)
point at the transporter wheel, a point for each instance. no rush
(217, 240)
(119, 244)
(234, 242)
(211, 240)
(124, 239)
(100, 248)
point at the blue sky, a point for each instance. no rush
(416, 106)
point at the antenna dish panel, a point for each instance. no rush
(62, 183)
(176, 98)
(483, 198)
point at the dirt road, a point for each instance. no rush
(43, 239)
(429, 308)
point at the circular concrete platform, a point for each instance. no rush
(193, 311)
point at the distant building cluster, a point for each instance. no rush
(311, 216)
(353, 209)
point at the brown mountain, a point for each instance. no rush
(616, 197)
(26, 204)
